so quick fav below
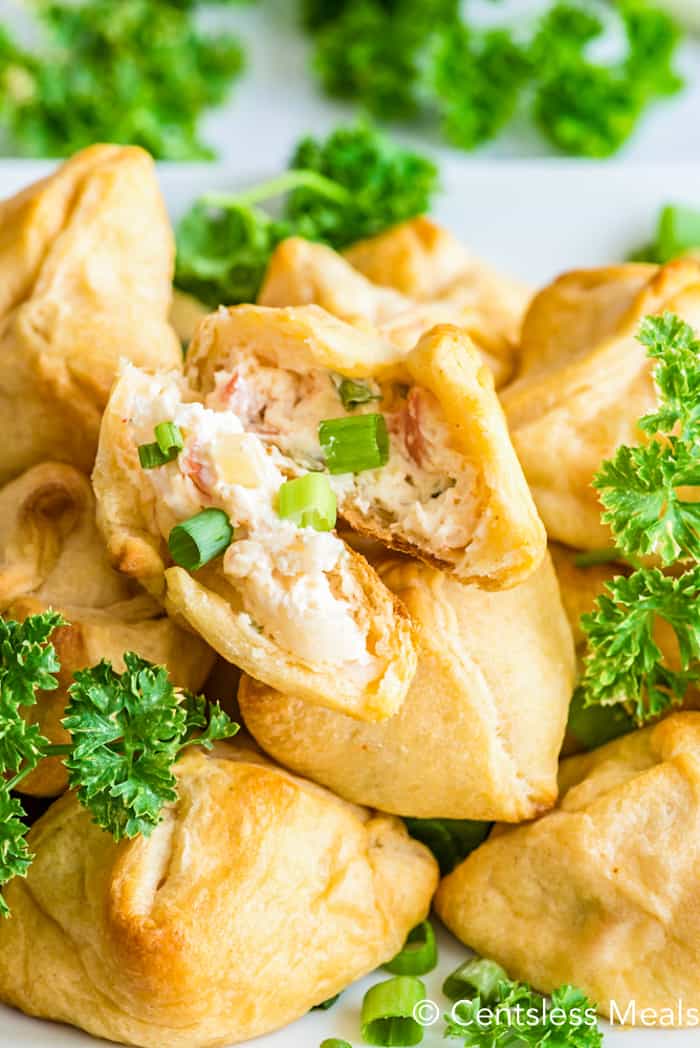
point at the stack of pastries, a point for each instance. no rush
(417, 661)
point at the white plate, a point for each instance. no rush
(534, 219)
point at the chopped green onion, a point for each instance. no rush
(678, 232)
(168, 444)
(335, 1042)
(196, 541)
(387, 1012)
(309, 501)
(169, 439)
(150, 456)
(419, 954)
(475, 978)
(593, 726)
(450, 840)
(325, 1005)
(352, 393)
(355, 443)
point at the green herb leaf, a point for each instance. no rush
(517, 1015)
(385, 184)
(624, 663)
(450, 840)
(15, 857)
(137, 72)
(128, 730)
(27, 664)
(645, 489)
(410, 60)
(352, 185)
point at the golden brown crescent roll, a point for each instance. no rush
(426, 262)
(478, 735)
(452, 491)
(52, 556)
(86, 259)
(302, 273)
(259, 896)
(291, 605)
(602, 892)
(585, 381)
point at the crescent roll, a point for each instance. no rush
(200, 935)
(293, 606)
(52, 556)
(479, 734)
(602, 892)
(452, 491)
(86, 258)
(585, 381)
(301, 272)
(424, 261)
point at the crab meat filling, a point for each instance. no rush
(295, 583)
(427, 491)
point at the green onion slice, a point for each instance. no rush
(151, 456)
(353, 392)
(335, 1042)
(168, 444)
(387, 1012)
(355, 443)
(450, 840)
(169, 439)
(475, 978)
(325, 1005)
(419, 954)
(678, 231)
(309, 501)
(196, 541)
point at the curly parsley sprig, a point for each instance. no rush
(127, 731)
(512, 1014)
(651, 508)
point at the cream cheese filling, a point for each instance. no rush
(294, 583)
(427, 491)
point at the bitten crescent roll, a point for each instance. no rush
(301, 272)
(257, 897)
(479, 734)
(603, 892)
(52, 556)
(585, 381)
(452, 491)
(86, 259)
(291, 605)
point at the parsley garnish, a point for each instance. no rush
(514, 1015)
(127, 731)
(353, 184)
(647, 492)
(136, 72)
(420, 59)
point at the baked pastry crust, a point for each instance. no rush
(301, 272)
(211, 604)
(86, 257)
(424, 261)
(199, 935)
(585, 381)
(602, 892)
(479, 733)
(52, 556)
(506, 539)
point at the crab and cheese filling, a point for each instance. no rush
(295, 583)
(427, 492)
